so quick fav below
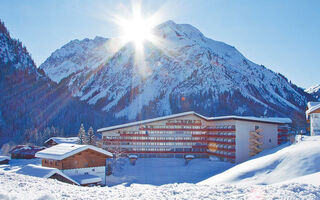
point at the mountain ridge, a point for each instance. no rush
(188, 72)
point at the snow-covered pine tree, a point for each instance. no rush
(82, 135)
(91, 137)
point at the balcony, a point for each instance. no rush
(254, 142)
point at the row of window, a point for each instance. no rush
(221, 140)
(223, 153)
(184, 121)
(171, 127)
(163, 149)
(152, 138)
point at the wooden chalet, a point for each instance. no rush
(84, 163)
(59, 140)
(24, 151)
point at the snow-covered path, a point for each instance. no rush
(16, 186)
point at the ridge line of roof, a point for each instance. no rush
(249, 118)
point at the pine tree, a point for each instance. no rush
(82, 135)
(91, 137)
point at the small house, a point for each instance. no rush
(46, 172)
(25, 151)
(84, 163)
(4, 159)
(58, 140)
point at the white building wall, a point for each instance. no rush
(314, 124)
(243, 128)
(96, 171)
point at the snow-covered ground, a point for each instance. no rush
(286, 172)
(153, 171)
(159, 171)
(283, 164)
(16, 186)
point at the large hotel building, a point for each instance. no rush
(228, 138)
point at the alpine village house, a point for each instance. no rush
(84, 164)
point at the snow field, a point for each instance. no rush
(16, 186)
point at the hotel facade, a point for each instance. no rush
(229, 138)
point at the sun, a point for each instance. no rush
(137, 30)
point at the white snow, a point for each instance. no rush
(159, 171)
(277, 165)
(313, 89)
(64, 150)
(16, 186)
(286, 172)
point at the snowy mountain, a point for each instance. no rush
(29, 99)
(314, 91)
(183, 71)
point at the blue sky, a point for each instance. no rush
(283, 35)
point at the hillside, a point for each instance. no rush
(283, 164)
(184, 71)
(30, 100)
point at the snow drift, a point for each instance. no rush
(283, 164)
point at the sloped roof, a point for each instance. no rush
(42, 172)
(84, 179)
(151, 120)
(59, 140)
(312, 106)
(274, 120)
(2, 158)
(64, 150)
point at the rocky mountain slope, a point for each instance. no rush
(314, 91)
(29, 99)
(183, 71)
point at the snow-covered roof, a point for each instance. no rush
(2, 158)
(133, 156)
(276, 120)
(64, 150)
(150, 120)
(59, 140)
(42, 172)
(312, 106)
(189, 156)
(84, 179)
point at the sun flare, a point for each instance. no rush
(137, 30)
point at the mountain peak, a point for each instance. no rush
(314, 91)
(12, 52)
(3, 29)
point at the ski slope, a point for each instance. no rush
(299, 162)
